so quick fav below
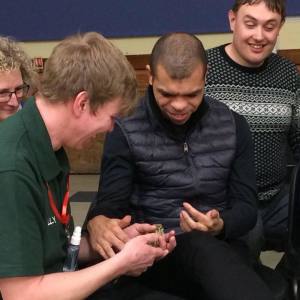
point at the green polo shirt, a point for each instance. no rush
(32, 240)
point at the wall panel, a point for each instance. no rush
(53, 20)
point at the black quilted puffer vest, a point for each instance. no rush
(170, 172)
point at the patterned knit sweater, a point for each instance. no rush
(269, 98)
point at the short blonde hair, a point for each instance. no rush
(88, 62)
(12, 57)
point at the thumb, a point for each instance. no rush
(151, 238)
(124, 222)
(214, 214)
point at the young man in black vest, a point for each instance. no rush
(185, 161)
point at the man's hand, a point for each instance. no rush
(140, 254)
(192, 219)
(165, 241)
(108, 235)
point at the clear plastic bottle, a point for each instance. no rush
(73, 250)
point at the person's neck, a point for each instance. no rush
(54, 117)
(232, 54)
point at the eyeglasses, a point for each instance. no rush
(19, 92)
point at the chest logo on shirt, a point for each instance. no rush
(51, 221)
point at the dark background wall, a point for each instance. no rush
(33, 20)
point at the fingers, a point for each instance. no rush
(188, 224)
(169, 235)
(105, 246)
(218, 223)
(166, 241)
(156, 239)
(151, 238)
(195, 219)
(115, 235)
(214, 217)
(194, 213)
(160, 242)
(205, 218)
(107, 234)
(191, 219)
(144, 228)
(138, 229)
(171, 244)
(183, 225)
(138, 255)
(125, 221)
(105, 250)
(213, 214)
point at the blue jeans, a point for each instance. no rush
(274, 215)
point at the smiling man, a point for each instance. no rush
(265, 88)
(256, 27)
(183, 160)
(16, 76)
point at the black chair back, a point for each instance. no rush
(293, 244)
(292, 261)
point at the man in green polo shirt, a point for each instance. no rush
(86, 83)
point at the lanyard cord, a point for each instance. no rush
(64, 217)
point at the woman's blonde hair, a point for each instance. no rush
(12, 57)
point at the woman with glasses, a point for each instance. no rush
(16, 76)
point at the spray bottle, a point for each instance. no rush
(73, 250)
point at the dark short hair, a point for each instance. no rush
(274, 5)
(179, 53)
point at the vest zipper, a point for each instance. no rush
(185, 147)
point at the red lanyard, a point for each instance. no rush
(64, 217)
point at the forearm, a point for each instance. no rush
(112, 197)
(86, 252)
(241, 212)
(63, 286)
(117, 173)
(238, 220)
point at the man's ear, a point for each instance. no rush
(150, 77)
(231, 19)
(80, 103)
(205, 75)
